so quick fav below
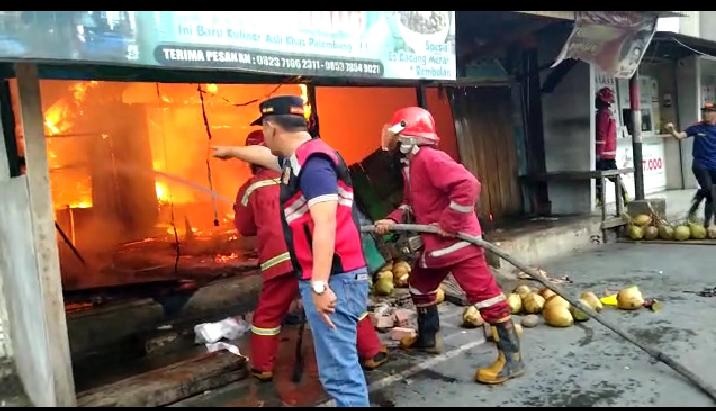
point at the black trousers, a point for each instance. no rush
(707, 190)
(606, 165)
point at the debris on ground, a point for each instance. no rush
(228, 328)
(397, 333)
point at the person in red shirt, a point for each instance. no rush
(606, 137)
(258, 213)
(440, 191)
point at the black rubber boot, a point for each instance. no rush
(428, 339)
(509, 362)
(708, 212)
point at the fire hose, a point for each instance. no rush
(542, 279)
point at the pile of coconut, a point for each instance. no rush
(556, 311)
(395, 274)
(647, 227)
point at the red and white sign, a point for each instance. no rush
(653, 163)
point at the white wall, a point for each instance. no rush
(689, 94)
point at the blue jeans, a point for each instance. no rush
(339, 369)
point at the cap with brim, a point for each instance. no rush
(280, 106)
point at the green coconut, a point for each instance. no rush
(682, 233)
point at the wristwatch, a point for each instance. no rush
(319, 287)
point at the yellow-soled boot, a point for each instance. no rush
(509, 362)
(428, 339)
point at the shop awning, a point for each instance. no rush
(569, 15)
(673, 46)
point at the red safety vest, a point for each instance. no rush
(297, 222)
(606, 135)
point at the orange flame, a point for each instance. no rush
(225, 258)
(162, 189)
(306, 104)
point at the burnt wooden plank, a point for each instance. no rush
(170, 384)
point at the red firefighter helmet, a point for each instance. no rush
(414, 122)
(255, 138)
(606, 95)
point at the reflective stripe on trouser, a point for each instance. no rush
(474, 277)
(275, 260)
(275, 300)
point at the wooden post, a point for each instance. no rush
(634, 97)
(54, 325)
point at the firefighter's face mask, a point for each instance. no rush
(389, 139)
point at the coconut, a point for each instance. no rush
(666, 232)
(592, 300)
(630, 298)
(471, 317)
(641, 220)
(401, 267)
(556, 301)
(388, 275)
(388, 266)
(578, 314)
(383, 286)
(440, 297)
(533, 303)
(401, 281)
(635, 232)
(557, 316)
(515, 303)
(682, 233)
(697, 231)
(522, 291)
(546, 293)
(530, 321)
(651, 232)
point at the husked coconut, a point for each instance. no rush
(697, 231)
(471, 317)
(641, 220)
(522, 291)
(651, 232)
(682, 233)
(533, 303)
(384, 275)
(630, 298)
(440, 297)
(579, 314)
(383, 287)
(635, 232)
(666, 232)
(556, 301)
(546, 293)
(400, 281)
(592, 300)
(557, 316)
(401, 267)
(515, 303)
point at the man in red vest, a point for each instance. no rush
(439, 191)
(606, 137)
(323, 239)
(258, 211)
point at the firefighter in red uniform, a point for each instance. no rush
(258, 214)
(440, 191)
(606, 137)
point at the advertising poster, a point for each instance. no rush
(407, 45)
